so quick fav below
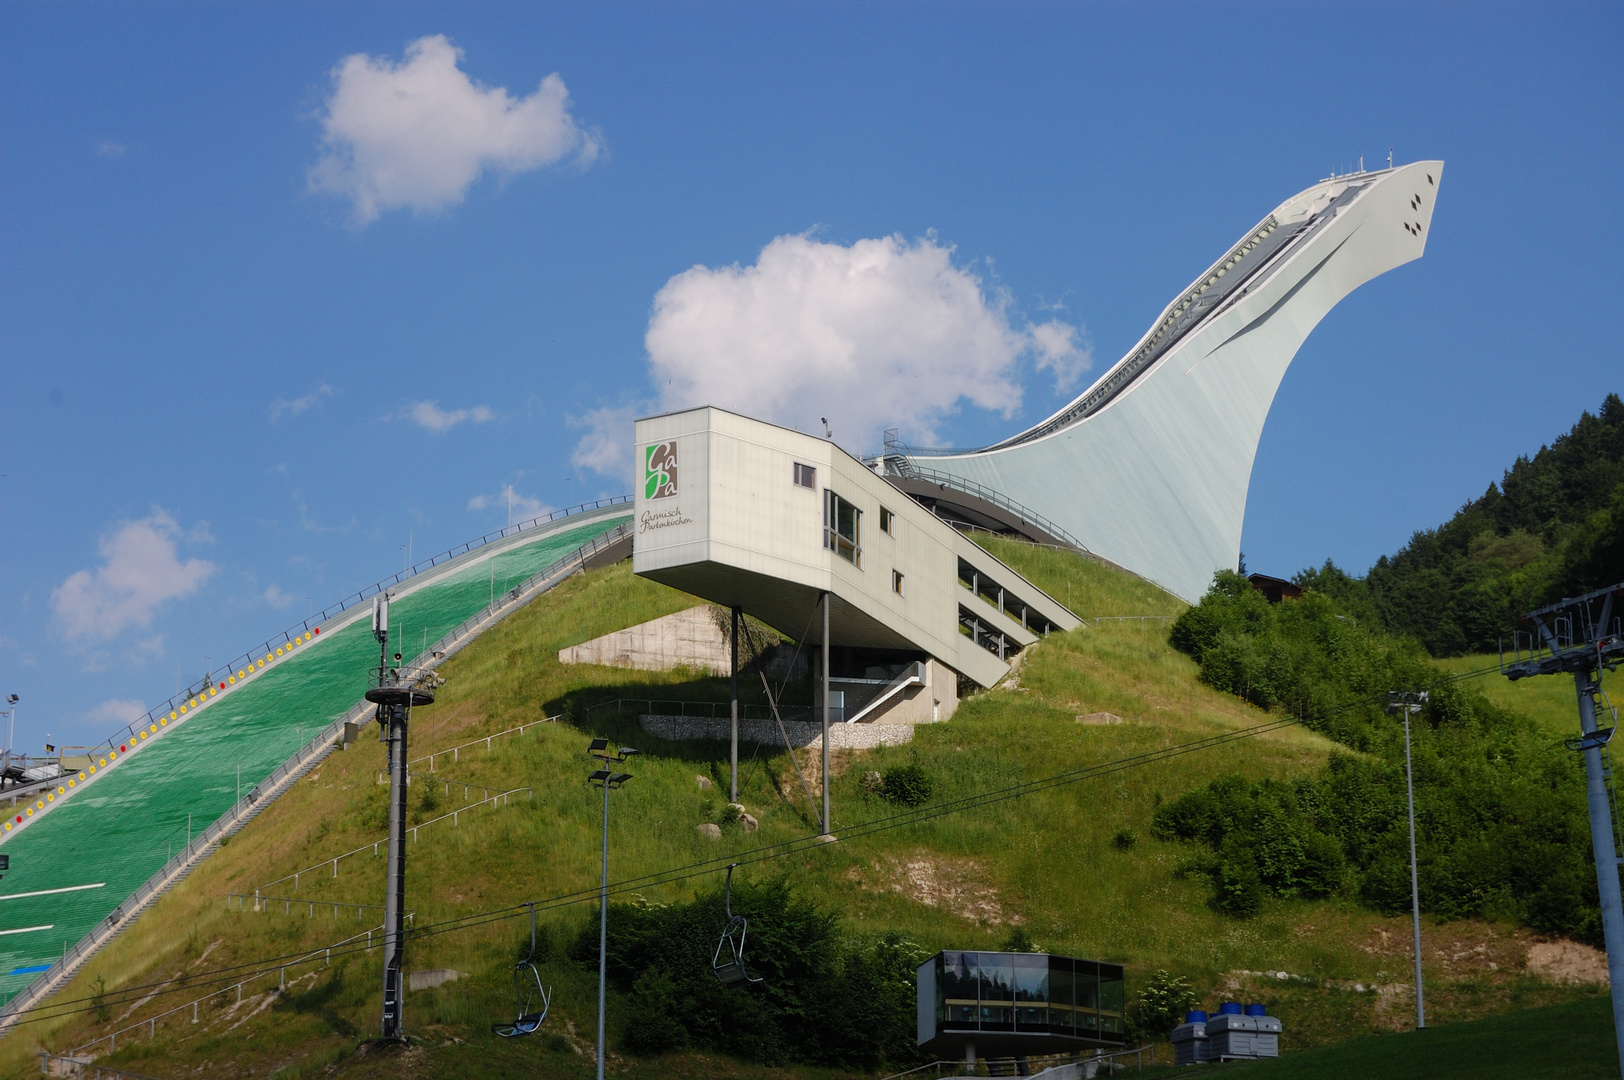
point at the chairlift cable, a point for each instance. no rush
(765, 853)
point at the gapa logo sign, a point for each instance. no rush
(660, 471)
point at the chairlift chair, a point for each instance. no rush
(728, 961)
(528, 993)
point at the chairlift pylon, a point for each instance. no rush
(528, 992)
(728, 961)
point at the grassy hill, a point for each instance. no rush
(1075, 867)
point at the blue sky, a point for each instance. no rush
(254, 339)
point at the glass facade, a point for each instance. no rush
(1030, 993)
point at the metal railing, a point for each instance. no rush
(456, 751)
(266, 903)
(501, 797)
(220, 674)
(302, 760)
(57, 1065)
(150, 1024)
(713, 710)
(1140, 619)
(901, 465)
(1030, 1065)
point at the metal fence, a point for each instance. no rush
(57, 1065)
(1091, 1064)
(904, 466)
(150, 1024)
(270, 645)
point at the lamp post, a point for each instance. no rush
(1408, 704)
(11, 721)
(394, 695)
(606, 778)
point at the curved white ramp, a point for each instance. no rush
(1149, 467)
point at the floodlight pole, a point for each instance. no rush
(733, 758)
(605, 778)
(603, 929)
(1411, 703)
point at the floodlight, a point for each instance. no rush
(598, 777)
(596, 745)
(619, 778)
(626, 752)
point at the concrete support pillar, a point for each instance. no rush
(825, 714)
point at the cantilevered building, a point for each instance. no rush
(1149, 467)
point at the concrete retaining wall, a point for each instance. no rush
(801, 733)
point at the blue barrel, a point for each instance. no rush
(1195, 1016)
(1256, 1010)
(1230, 1008)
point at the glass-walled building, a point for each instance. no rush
(1018, 1003)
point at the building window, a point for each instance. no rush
(805, 476)
(888, 522)
(843, 528)
(899, 583)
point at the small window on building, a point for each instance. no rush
(888, 522)
(899, 583)
(806, 476)
(843, 528)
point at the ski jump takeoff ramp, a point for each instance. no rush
(1149, 467)
(90, 854)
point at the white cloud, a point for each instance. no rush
(277, 598)
(140, 572)
(878, 333)
(418, 133)
(117, 711)
(520, 507)
(294, 406)
(111, 149)
(606, 448)
(430, 417)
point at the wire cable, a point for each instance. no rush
(764, 853)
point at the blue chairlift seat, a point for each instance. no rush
(532, 999)
(728, 960)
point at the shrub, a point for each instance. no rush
(824, 999)
(1160, 1006)
(1124, 839)
(909, 785)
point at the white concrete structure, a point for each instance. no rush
(749, 514)
(1149, 467)
(690, 639)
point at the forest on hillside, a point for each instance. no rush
(1552, 527)
(1500, 808)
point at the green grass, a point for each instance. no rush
(1571, 1041)
(1047, 861)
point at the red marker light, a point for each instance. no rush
(317, 630)
(122, 749)
(222, 686)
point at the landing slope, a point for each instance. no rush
(111, 831)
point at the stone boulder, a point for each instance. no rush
(709, 831)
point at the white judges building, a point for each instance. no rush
(752, 515)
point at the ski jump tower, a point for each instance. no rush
(1149, 467)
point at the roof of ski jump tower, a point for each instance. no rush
(1149, 467)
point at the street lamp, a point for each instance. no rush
(11, 720)
(1409, 703)
(606, 778)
